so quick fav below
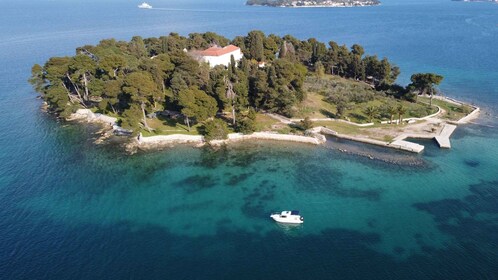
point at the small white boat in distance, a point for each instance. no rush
(145, 6)
(288, 217)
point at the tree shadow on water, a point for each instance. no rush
(258, 198)
(472, 221)
(213, 157)
(314, 177)
(197, 183)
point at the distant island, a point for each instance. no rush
(208, 88)
(313, 3)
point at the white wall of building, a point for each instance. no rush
(222, 59)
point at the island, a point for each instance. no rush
(313, 3)
(493, 1)
(205, 88)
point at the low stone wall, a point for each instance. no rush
(467, 118)
(170, 139)
(398, 144)
(164, 140)
(473, 115)
(284, 137)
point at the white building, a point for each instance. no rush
(218, 55)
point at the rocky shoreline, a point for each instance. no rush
(315, 136)
(110, 128)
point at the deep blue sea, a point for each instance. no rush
(70, 209)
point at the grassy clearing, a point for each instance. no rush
(343, 128)
(453, 112)
(163, 126)
(168, 126)
(359, 96)
(315, 107)
(265, 123)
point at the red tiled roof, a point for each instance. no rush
(217, 51)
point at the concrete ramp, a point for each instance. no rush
(443, 139)
(407, 146)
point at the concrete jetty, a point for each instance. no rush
(443, 139)
(407, 146)
(398, 144)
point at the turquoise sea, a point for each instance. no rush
(70, 209)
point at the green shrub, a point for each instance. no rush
(306, 123)
(251, 114)
(246, 126)
(215, 129)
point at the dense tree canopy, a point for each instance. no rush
(196, 104)
(425, 83)
(138, 78)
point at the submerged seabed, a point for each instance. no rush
(185, 212)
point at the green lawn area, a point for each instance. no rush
(263, 122)
(318, 89)
(315, 107)
(453, 112)
(345, 128)
(163, 126)
(341, 127)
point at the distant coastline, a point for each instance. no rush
(492, 1)
(313, 4)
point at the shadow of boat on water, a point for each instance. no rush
(289, 229)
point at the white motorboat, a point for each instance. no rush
(288, 217)
(145, 6)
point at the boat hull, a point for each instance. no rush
(144, 5)
(288, 220)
